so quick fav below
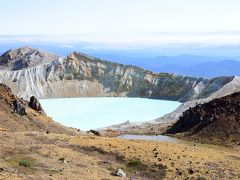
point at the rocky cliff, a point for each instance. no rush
(229, 88)
(215, 121)
(33, 72)
(159, 125)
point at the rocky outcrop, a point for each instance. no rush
(16, 115)
(215, 121)
(18, 107)
(95, 132)
(79, 75)
(35, 104)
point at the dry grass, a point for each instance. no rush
(90, 157)
(179, 159)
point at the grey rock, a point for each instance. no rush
(119, 173)
(19, 108)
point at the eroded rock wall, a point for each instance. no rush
(80, 75)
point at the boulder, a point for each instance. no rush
(35, 104)
(19, 108)
(95, 132)
(119, 173)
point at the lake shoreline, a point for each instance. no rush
(98, 113)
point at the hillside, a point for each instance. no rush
(17, 115)
(78, 75)
(217, 121)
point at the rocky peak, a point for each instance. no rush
(80, 56)
(16, 59)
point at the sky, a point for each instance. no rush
(122, 23)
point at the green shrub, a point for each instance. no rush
(25, 163)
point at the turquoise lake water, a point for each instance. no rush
(93, 113)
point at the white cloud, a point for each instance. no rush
(130, 40)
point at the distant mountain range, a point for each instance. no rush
(190, 65)
(205, 69)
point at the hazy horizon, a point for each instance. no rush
(146, 28)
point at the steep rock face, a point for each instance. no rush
(217, 120)
(82, 75)
(159, 125)
(229, 88)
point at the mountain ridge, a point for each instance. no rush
(189, 65)
(16, 59)
(80, 75)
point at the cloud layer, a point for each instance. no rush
(131, 40)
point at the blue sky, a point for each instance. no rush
(122, 23)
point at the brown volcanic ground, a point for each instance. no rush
(22, 117)
(32, 146)
(217, 121)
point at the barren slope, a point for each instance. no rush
(217, 121)
(58, 156)
(16, 115)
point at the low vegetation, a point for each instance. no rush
(26, 163)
